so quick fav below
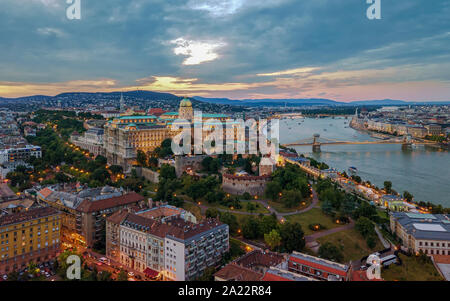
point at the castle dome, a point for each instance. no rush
(185, 103)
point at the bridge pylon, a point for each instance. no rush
(407, 140)
(316, 143)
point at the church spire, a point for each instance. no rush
(122, 103)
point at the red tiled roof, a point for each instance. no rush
(260, 258)
(178, 227)
(46, 192)
(117, 217)
(273, 277)
(233, 272)
(445, 259)
(88, 206)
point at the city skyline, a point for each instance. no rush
(236, 49)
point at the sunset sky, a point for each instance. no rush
(228, 48)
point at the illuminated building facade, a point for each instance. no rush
(28, 236)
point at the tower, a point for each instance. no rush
(122, 103)
(186, 111)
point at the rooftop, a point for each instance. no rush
(424, 226)
(327, 265)
(234, 272)
(99, 205)
(276, 274)
(27, 215)
(260, 258)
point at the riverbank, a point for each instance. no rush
(421, 170)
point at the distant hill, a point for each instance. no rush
(131, 94)
(384, 102)
(142, 96)
(310, 102)
(268, 101)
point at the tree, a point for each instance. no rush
(365, 226)
(273, 239)
(246, 196)
(100, 174)
(408, 196)
(230, 220)
(250, 228)
(291, 198)
(141, 158)
(212, 213)
(104, 276)
(371, 241)
(167, 172)
(388, 186)
(251, 207)
(60, 177)
(292, 237)
(101, 160)
(116, 169)
(330, 252)
(122, 276)
(268, 223)
(366, 210)
(273, 190)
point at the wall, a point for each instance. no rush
(148, 174)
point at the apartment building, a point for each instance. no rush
(84, 212)
(19, 154)
(28, 236)
(173, 248)
(427, 233)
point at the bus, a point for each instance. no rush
(388, 260)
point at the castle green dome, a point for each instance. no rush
(185, 103)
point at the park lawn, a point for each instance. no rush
(259, 208)
(194, 209)
(351, 243)
(411, 270)
(283, 209)
(313, 216)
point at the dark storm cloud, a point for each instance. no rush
(127, 40)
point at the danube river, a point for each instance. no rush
(422, 170)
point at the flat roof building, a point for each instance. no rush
(427, 233)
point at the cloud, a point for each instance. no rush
(298, 71)
(48, 31)
(217, 7)
(197, 52)
(15, 89)
(229, 48)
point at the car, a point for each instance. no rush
(131, 274)
(5, 277)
